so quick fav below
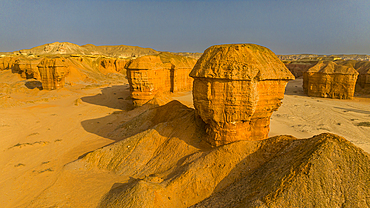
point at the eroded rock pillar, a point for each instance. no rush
(236, 88)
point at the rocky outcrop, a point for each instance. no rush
(152, 75)
(113, 65)
(7, 62)
(328, 79)
(53, 72)
(27, 68)
(299, 67)
(180, 68)
(236, 89)
(147, 76)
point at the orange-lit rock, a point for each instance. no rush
(181, 66)
(121, 65)
(163, 73)
(147, 76)
(328, 79)
(27, 68)
(236, 88)
(53, 72)
(299, 67)
(7, 63)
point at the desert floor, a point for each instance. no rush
(39, 138)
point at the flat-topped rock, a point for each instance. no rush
(329, 79)
(236, 88)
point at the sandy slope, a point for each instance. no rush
(303, 116)
(39, 139)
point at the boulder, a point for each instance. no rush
(53, 72)
(236, 88)
(328, 79)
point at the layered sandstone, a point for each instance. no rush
(328, 79)
(163, 73)
(180, 68)
(27, 68)
(53, 72)
(7, 62)
(299, 67)
(236, 89)
(147, 76)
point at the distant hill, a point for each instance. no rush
(315, 57)
(57, 48)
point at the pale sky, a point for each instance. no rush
(284, 26)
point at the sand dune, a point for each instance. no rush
(38, 139)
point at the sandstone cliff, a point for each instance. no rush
(236, 89)
(328, 79)
(52, 73)
(7, 62)
(27, 68)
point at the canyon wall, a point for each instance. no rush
(27, 68)
(328, 79)
(236, 88)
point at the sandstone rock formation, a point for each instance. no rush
(7, 62)
(179, 171)
(27, 68)
(179, 71)
(363, 69)
(236, 89)
(163, 73)
(147, 76)
(328, 79)
(299, 67)
(53, 72)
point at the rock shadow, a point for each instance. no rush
(33, 84)
(116, 97)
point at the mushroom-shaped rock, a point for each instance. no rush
(236, 88)
(328, 79)
(53, 72)
(147, 76)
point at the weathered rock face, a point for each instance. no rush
(236, 88)
(52, 73)
(6, 63)
(180, 68)
(328, 79)
(163, 73)
(299, 67)
(27, 68)
(147, 76)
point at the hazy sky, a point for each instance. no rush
(284, 26)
